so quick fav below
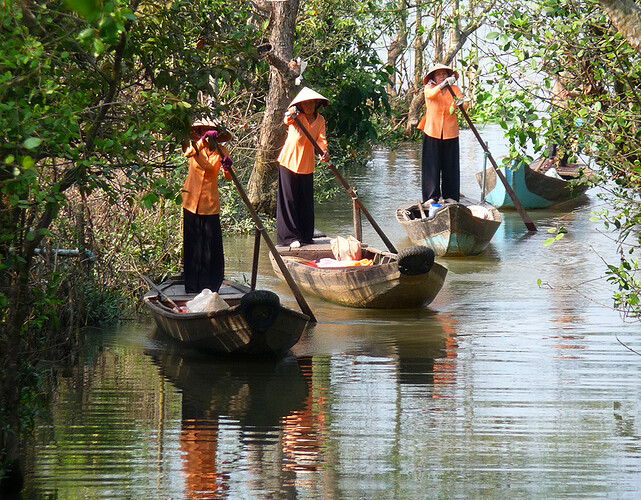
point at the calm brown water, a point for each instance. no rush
(500, 389)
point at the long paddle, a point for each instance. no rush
(302, 303)
(517, 204)
(351, 192)
(161, 294)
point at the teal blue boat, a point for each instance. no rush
(538, 185)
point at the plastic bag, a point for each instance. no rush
(207, 301)
(346, 248)
(480, 212)
(434, 207)
(553, 173)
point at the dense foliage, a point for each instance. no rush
(596, 115)
(92, 111)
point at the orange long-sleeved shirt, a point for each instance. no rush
(298, 154)
(438, 122)
(200, 192)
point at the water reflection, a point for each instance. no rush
(258, 394)
(275, 420)
(235, 410)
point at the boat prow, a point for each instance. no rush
(538, 185)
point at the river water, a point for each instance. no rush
(501, 388)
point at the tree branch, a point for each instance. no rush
(284, 67)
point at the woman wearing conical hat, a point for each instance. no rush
(440, 164)
(295, 201)
(203, 259)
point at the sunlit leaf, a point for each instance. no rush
(32, 142)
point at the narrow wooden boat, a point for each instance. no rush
(538, 185)
(456, 229)
(409, 279)
(255, 324)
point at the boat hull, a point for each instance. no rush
(381, 286)
(239, 330)
(532, 187)
(454, 230)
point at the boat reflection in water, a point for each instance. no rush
(265, 425)
(419, 353)
(237, 413)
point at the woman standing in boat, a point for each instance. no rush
(440, 157)
(295, 201)
(203, 259)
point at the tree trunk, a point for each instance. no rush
(418, 49)
(413, 115)
(439, 33)
(396, 48)
(262, 183)
(458, 37)
(626, 17)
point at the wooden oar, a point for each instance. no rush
(302, 303)
(351, 192)
(517, 204)
(161, 295)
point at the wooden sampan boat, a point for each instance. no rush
(456, 229)
(256, 324)
(538, 185)
(409, 279)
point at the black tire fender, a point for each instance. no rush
(415, 260)
(260, 309)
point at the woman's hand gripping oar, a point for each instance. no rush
(351, 192)
(302, 303)
(517, 204)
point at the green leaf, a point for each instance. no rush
(87, 33)
(149, 200)
(32, 142)
(86, 8)
(98, 46)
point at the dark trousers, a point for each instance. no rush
(294, 207)
(203, 258)
(440, 160)
(552, 150)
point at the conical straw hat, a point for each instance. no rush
(435, 68)
(307, 94)
(223, 134)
